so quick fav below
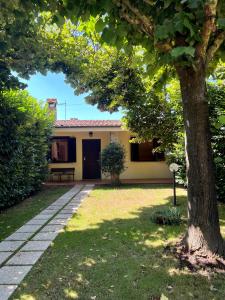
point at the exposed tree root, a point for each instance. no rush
(198, 260)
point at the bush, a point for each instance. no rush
(25, 128)
(112, 161)
(167, 216)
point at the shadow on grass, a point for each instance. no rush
(118, 259)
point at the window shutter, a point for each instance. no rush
(134, 152)
(72, 155)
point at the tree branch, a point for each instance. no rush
(218, 41)
(208, 26)
(133, 16)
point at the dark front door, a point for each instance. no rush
(91, 157)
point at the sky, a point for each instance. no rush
(53, 86)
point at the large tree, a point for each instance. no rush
(21, 45)
(187, 35)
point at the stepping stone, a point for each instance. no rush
(29, 228)
(36, 246)
(13, 274)
(10, 245)
(64, 216)
(19, 236)
(4, 256)
(25, 258)
(69, 206)
(49, 212)
(68, 211)
(56, 221)
(61, 202)
(43, 217)
(36, 222)
(45, 236)
(52, 228)
(6, 291)
(54, 207)
(76, 204)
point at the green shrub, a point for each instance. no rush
(112, 161)
(167, 216)
(25, 128)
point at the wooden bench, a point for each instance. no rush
(62, 172)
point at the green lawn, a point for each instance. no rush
(14, 217)
(111, 250)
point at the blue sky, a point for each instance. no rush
(53, 86)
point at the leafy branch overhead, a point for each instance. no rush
(176, 29)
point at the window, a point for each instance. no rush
(63, 149)
(144, 151)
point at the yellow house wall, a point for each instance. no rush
(134, 170)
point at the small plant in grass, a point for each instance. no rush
(112, 161)
(167, 216)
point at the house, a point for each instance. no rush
(76, 144)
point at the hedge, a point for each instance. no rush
(216, 99)
(25, 129)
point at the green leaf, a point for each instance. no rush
(99, 25)
(164, 31)
(221, 119)
(109, 36)
(221, 23)
(188, 25)
(179, 51)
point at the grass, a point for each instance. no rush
(14, 217)
(111, 250)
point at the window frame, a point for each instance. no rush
(157, 156)
(69, 160)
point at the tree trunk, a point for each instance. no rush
(115, 179)
(203, 234)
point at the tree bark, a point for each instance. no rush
(203, 234)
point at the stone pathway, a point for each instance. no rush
(22, 249)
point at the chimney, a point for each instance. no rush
(52, 102)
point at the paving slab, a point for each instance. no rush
(10, 245)
(6, 291)
(25, 258)
(68, 211)
(36, 222)
(13, 274)
(62, 202)
(64, 216)
(68, 206)
(45, 236)
(29, 228)
(49, 211)
(36, 246)
(52, 228)
(55, 207)
(4, 256)
(72, 205)
(43, 217)
(56, 221)
(19, 236)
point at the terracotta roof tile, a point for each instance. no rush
(87, 123)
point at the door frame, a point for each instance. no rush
(83, 140)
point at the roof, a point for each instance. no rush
(87, 123)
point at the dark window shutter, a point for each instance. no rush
(72, 155)
(134, 152)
